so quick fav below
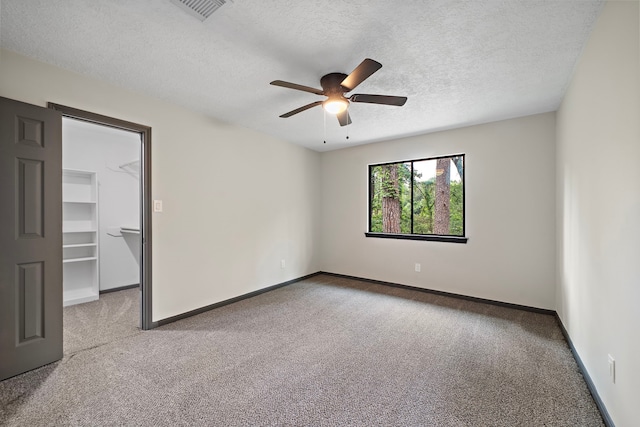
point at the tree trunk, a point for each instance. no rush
(443, 196)
(390, 199)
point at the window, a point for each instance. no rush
(418, 199)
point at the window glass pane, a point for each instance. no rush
(391, 198)
(437, 196)
(424, 186)
(424, 197)
(456, 207)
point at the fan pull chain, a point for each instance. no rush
(324, 115)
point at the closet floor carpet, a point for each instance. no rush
(113, 316)
(324, 351)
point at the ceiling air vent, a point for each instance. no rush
(200, 9)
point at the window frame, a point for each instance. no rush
(411, 236)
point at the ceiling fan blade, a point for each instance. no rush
(360, 74)
(301, 109)
(379, 99)
(343, 118)
(297, 87)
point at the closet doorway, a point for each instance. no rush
(106, 215)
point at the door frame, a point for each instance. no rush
(146, 318)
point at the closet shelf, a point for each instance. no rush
(129, 230)
(93, 202)
(92, 258)
(80, 245)
(133, 165)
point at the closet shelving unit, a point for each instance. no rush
(80, 236)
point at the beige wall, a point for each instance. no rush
(510, 214)
(598, 184)
(236, 202)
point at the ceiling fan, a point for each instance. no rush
(335, 85)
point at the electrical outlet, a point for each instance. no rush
(282, 263)
(612, 368)
(417, 267)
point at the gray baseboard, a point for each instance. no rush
(447, 294)
(119, 288)
(230, 301)
(587, 378)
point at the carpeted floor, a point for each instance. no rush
(113, 316)
(324, 351)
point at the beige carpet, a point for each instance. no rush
(322, 352)
(113, 316)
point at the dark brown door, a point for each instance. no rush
(30, 237)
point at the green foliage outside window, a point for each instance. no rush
(437, 205)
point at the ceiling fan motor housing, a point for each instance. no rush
(335, 85)
(331, 85)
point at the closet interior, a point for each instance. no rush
(101, 210)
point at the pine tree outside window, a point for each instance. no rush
(418, 199)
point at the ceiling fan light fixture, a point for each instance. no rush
(334, 87)
(335, 105)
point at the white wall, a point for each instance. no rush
(102, 149)
(510, 214)
(598, 184)
(236, 202)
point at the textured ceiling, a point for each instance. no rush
(459, 62)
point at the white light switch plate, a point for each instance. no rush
(157, 205)
(612, 368)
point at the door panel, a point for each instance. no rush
(30, 237)
(30, 301)
(30, 193)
